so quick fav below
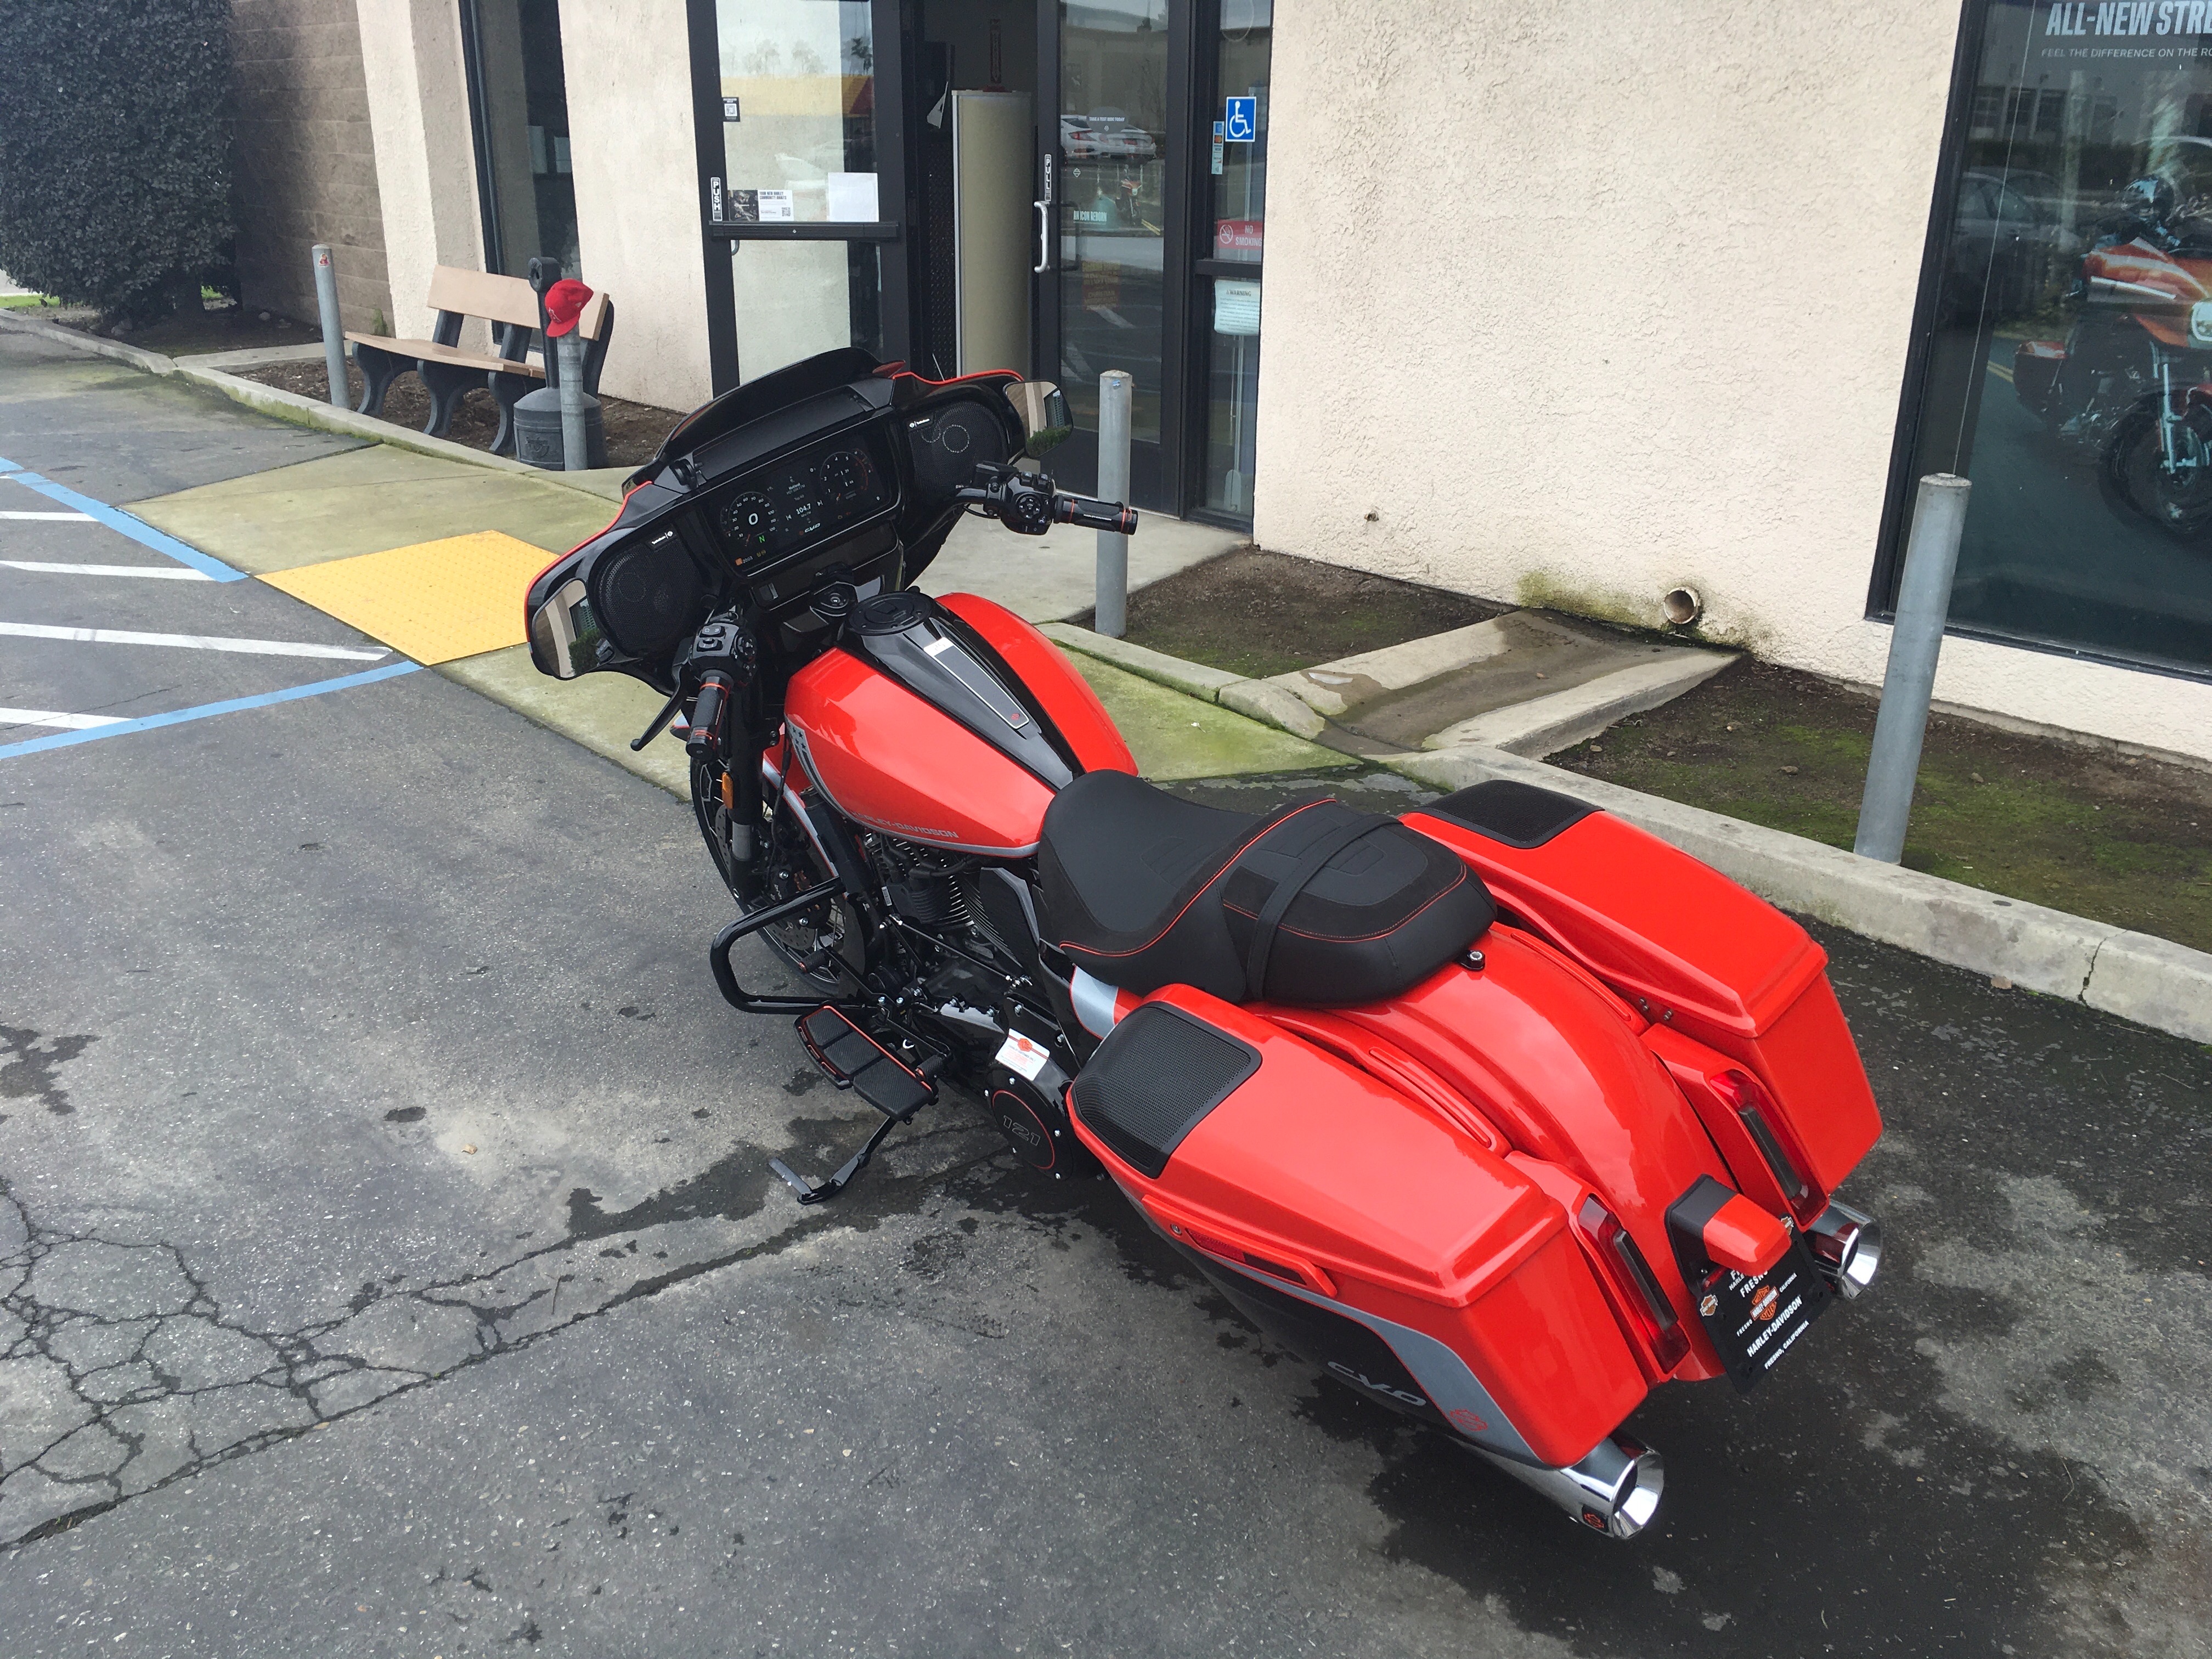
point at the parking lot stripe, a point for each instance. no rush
(54, 518)
(124, 524)
(190, 642)
(160, 571)
(55, 717)
(207, 710)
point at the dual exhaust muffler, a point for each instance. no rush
(1616, 1489)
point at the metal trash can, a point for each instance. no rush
(538, 429)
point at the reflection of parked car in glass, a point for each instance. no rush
(2131, 384)
(1105, 135)
(2009, 242)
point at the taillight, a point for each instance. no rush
(1749, 1101)
(1636, 1290)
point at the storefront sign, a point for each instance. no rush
(852, 198)
(1238, 239)
(774, 205)
(1241, 120)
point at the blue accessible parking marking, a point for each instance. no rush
(122, 523)
(207, 710)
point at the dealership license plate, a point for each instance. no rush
(1754, 1323)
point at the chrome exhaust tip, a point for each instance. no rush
(1847, 1243)
(1615, 1490)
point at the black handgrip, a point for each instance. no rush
(1091, 514)
(706, 714)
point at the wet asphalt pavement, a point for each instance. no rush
(389, 1265)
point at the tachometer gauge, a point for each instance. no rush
(845, 475)
(748, 522)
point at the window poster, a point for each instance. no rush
(2069, 374)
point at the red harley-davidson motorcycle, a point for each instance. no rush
(1502, 1112)
(2131, 384)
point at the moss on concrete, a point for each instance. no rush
(1175, 737)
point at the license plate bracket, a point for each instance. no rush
(1752, 1319)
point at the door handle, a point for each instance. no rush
(1044, 235)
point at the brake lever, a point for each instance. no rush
(659, 721)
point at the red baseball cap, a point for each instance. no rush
(564, 303)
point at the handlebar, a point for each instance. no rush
(1028, 504)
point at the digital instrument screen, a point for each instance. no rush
(804, 499)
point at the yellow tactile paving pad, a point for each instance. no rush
(434, 601)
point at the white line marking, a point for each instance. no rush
(192, 641)
(161, 571)
(51, 717)
(66, 517)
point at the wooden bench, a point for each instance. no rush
(448, 372)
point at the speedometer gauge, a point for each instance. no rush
(748, 522)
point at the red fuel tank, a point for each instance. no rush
(890, 760)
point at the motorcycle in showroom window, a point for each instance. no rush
(2069, 371)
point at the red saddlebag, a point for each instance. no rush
(1366, 1233)
(1694, 953)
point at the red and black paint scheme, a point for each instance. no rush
(1501, 1113)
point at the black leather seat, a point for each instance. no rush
(1313, 903)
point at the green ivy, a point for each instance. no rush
(115, 149)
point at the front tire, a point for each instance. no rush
(2135, 479)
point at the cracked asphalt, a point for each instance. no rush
(389, 1265)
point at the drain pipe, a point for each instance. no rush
(1923, 605)
(1615, 1490)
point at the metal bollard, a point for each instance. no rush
(1923, 605)
(575, 446)
(1116, 391)
(326, 301)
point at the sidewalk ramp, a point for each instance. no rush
(434, 601)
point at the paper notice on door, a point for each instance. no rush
(1236, 307)
(775, 206)
(853, 198)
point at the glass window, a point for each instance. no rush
(1113, 206)
(1238, 183)
(799, 143)
(2070, 371)
(521, 97)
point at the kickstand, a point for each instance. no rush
(814, 1192)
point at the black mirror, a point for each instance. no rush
(565, 634)
(1044, 416)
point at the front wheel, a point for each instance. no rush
(2135, 477)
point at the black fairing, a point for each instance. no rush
(674, 558)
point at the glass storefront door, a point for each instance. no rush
(807, 195)
(2067, 369)
(1113, 214)
(1230, 271)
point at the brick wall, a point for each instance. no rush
(306, 168)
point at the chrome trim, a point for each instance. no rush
(1847, 1245)
(1615, 1489)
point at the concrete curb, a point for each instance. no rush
(1192, 679)
(306, 411)
(1545, 725)
(2152, 982)
(1339, 687)
(76, 340)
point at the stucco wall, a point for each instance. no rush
(637, 199)
(418, 109)
(1573, 306)
(305, 165)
